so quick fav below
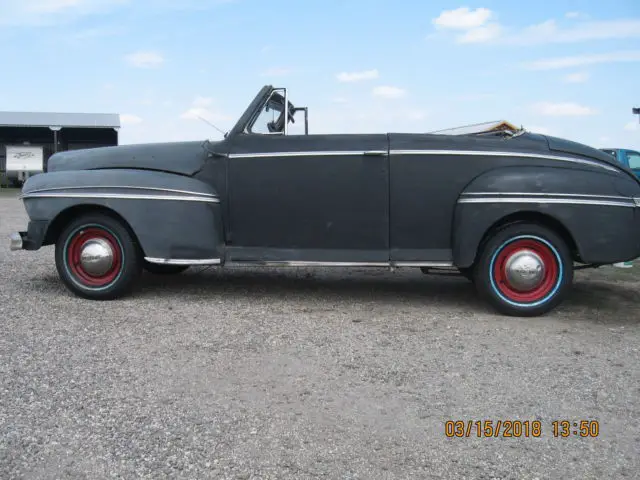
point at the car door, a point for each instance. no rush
(633, 161)
(308, 198)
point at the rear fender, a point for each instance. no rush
(593, 210)
(172, 216)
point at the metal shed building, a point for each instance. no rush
(28, 139)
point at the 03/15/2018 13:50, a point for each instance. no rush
(520, 428)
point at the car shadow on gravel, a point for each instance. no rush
(359, 285)
(616, 303)
(603, 295)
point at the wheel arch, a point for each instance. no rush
(531, 216)
(471, 237)
(66, 216)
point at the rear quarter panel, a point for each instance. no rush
(595, 207)
(425, 186)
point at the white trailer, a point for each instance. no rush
(23, 161)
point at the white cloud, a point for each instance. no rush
(129, 119)
(463, 18)
(276, 72)
(386, 91)
(201, 108)
(473, 97)
(339, 100)
(550, 32)
(576, 15)
(538, 129)
(145, 59)
(481, 34)
(583, 60)
(415, 115)
(48, 6)
(632, 126)
(563, 109)
(357, 76)
(478, 29)
(202, 102)
(577, 77)
(99, 32)
(49, 12)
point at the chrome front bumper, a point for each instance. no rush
(16, 241)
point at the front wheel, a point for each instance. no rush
(97, 258)
(524, 270)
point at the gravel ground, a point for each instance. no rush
(326, 373)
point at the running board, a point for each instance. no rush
(297, 263)
(292, 263)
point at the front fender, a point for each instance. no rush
(596, 209)
(172, 216)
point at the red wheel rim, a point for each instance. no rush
(74, 250)
(545, 285)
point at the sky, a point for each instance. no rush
(564, 68)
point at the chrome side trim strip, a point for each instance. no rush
(488, 153)
(637, 201)
(505, 154)
(122, 187)
(180, 261)
(300, 263)
(297, 263)
(567, 201)
(527, 194)
(422, 264)
(121, 196)
(318, 153)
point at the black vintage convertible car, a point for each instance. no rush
(516, 214)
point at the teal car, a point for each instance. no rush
(629, 158)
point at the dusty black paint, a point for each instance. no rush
(165, 229)
(389, 205)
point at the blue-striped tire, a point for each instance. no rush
(556, 271)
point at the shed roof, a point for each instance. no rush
(46, 119)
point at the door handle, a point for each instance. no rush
(374, 153)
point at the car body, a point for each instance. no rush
(628, 158)
(514, 214)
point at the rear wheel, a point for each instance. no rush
(158, 269)
(97, 257)
(524, 270)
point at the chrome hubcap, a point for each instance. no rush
(96, 257)
(525, 270)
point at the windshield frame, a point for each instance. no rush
(276, 101)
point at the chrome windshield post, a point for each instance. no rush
(286, 113)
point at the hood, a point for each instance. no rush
(183, 158)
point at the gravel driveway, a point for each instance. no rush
(326, 373)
